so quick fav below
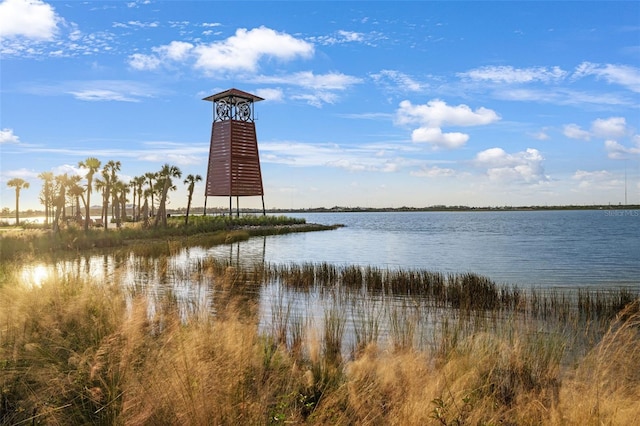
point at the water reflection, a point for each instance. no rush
(35, 275)
(189, 281)
(317, 303)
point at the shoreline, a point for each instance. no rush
(17, 241)
(197, 211)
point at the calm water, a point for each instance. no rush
(527, 248)
(595, 249)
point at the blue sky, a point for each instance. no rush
(381, 104)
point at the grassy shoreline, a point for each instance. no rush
(208, 230)
(301, 343)
(76, 350)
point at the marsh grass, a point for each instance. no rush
(76, 350)
(204, 230)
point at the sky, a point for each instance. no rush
(366, 104)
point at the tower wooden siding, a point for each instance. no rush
(234, 162)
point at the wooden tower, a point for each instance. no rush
(234, 163)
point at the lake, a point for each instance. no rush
(584, 248)
(580, 248)
(548, 250)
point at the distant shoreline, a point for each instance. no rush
(197, 211)
(455, 209)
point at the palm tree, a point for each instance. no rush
(18, 184)
(75, 192)
(62, 182)
(100, 185)
(46, 194)
(166, 173)
(113, 178)
(150, 177)
(119, 193)
(109, 175)
(132, 186)
(136, 189)
(92, 165)
(191, 182)
(138, 182)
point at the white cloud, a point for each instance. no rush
(606, 128)
(542, 135)
(275, 95)
(511, 75)
(140, 24)
(309, 80)
(7, 136)
(69, 169)
(32, 19)
(433, 172)
(241, 52)
(583, 174)
(623, 75)
(524, 166)
(354, 159)
(598, 179)
(101, 95)
(141, 62)
(345, 36)
(350, 35)
(173, 158)
(318, 89)
(562, 96)
(318, 98)
(396, 80)
(341, 36)
(103, 90)
(614, 127)
(437, 113)
(438, 139)
(137, 3)
(26, 174)
(175, 51)
(432, 116)
(246, 48)
(573, 131)
(617, 151)
(94, 90)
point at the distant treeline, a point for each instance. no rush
(458, 208)
(437, 208)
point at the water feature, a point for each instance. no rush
(545, 250)
(595, 248)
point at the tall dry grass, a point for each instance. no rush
(79, 352)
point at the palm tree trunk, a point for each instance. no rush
(105, 207)
(87, 210)
(186, 219)
(17, 206)
(161, 208)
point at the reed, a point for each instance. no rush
(467, 292)
(366, 314)
(75, 351)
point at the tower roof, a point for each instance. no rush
(233, 93)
